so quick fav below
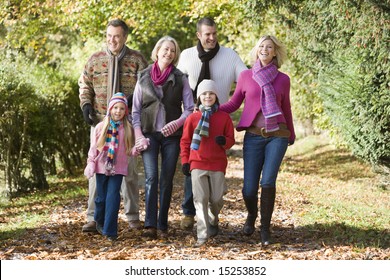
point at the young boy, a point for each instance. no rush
(207, 134)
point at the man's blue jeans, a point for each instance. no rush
(262, 156)
(107, 202)
(169, 147)
(188, 203)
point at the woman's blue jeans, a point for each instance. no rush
(156, 214)
(107, 203)
(262, 156)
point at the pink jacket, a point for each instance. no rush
(99, 159)
(248, 89)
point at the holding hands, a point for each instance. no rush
(169, 128)
(141, 143)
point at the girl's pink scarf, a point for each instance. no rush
(159, 78)
(264, 76)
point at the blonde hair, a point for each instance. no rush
(129, 134)
(280, 50)
(159, 44)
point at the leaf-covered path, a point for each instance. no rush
(61, 237)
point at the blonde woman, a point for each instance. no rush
(268, 122)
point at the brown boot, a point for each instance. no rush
(187, 223)
(89, 227)
(150, 233)
(135, 225)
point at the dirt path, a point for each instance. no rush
(61, 238)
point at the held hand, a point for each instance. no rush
(88, 111)
(89, 171)
(134, 152)
(142, 143)
(185, 168)
(220, 140)
(169, 128)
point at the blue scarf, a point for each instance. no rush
(202, 129)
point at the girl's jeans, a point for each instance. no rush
(107, 203)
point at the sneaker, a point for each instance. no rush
(150, 233)
(200, 242)
(135, 224)
(213, 230)
(89, 227)
(187, 223)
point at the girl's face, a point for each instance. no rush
(266, 52)
(166, 53)
(208, 98)
(118, 111)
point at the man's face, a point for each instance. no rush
(207, 36)
(115, 39)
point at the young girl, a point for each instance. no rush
(108, 158)
(207, 134)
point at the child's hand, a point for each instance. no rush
(185, 168)
(134, 152)
(220, 140)
(89, 171)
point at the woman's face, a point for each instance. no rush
(208, 98)
(118, 111)
(266, 52)
(166, 53)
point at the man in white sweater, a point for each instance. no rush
(207, 60)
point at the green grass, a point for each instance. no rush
(335, 195)
(33, 210)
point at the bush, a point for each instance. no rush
(41, 124)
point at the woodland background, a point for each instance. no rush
(339, 64)
(339, 67)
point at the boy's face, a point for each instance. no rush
(208, 98)
(118, 111)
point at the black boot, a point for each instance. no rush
(251, 206)
(267, 201)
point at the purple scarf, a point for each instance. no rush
(264, 76)
(159, 78)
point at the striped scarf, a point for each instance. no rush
(111, 146)
(264, 76)
(202, 129)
